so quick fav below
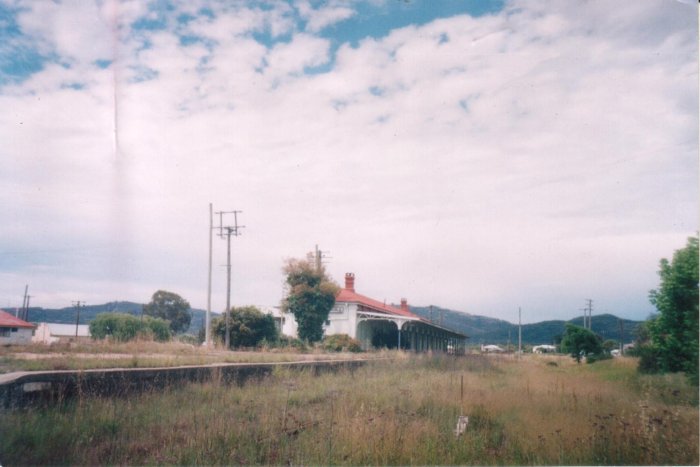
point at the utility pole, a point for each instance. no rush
(26, 309)
(207, 324)
(520, 333)
(587, 311)
(622, 336)
(589, 307)
(77, 305)
(319, 256)
(228, 231)
(21, 312)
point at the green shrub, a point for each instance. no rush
(248, 327)
(648, 359)
(293, 342)
(596, 357)
(159, 327)
(341, 343)
(124, 327)
(104, 324)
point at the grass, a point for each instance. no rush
(536, 411)
(141, 354)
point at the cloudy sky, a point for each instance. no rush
(474, 155)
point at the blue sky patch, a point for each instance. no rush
(378, 21)
(19, 59)
(103, 63)
(19, 64)
(319, 69)
(74, 86)
(376, 91)
(143, 73)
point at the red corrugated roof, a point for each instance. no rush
(9, 321)
(348, 296)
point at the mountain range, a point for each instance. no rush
(480, 329)
(485, 330)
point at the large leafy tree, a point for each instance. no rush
(171, 307)
(310, 296)
(674, 332)
(248, 327)
(578, 341)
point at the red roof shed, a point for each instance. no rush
(8, 320)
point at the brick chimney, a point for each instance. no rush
(350, 281)
(404, 304)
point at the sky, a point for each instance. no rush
(482, 156)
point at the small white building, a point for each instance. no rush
(51, 333)
(492, 349)
(544, 348)
(376, 324)
(14, 330)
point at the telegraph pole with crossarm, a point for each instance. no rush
(227, 231)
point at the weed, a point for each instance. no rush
(398, 412)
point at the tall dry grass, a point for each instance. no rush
(536, 411)
(143, 353)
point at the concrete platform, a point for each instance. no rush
(31, 388)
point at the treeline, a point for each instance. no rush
(485, 330)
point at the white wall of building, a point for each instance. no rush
(11, 336)
(341, 320)
(49, 333)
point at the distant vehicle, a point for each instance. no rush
(544, 349)
(491, 349)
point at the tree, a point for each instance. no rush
(579, 342)
(610, 344)
(310, 296)
(248, 327)
(158, 327)
(124, 327)
(170, 307)
(674, 331)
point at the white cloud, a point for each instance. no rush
(535, 157)
(304, 51)
(318, 19)
(80, 32)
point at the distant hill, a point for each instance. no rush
(483, 330)
(88, 313)
(480, 329)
